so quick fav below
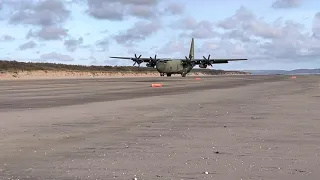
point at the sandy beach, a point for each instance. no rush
(223, 127)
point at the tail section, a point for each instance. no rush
(191, 53)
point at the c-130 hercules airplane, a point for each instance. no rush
(171, 66)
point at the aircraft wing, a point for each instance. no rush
(196, 61)
(228, 60)
(216, 61)
(132, 58)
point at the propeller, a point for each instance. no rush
(207, 60)
(152, 61)
(136, 60)
(188, 61)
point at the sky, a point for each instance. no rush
(272, 34)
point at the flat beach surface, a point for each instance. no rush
(232, 127)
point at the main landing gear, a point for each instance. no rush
(169, 75)
(162, 74)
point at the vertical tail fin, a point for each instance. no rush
(191, 53)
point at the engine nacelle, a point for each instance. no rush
(150, 65)
(202, 65)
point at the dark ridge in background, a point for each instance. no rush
(13, 66)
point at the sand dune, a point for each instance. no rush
(82, 74)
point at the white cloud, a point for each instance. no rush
(146, 24)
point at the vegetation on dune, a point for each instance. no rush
(15, 66)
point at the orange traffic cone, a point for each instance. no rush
(156, 85)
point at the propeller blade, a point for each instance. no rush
(135, 55)
(207, 59)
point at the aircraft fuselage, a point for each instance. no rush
(173, 66)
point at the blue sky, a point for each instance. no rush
(272, 34)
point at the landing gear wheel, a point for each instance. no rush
(183, 74)
(168, 75)
(161, 74)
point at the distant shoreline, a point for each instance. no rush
(286, 72)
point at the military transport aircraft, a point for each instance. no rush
(171, 66)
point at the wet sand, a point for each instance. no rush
(234, 127)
